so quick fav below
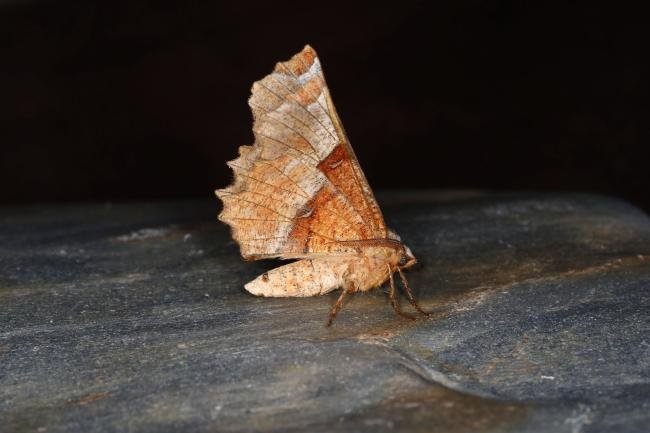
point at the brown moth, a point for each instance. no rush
(299, 193)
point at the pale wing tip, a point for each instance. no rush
(299, 62)
(309, 49)
(307, 55)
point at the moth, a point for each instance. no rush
(299, 193)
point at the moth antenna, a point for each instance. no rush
(338, 304)
(394, 300)
(409, 294)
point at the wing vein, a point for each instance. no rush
(329, 211)
(256, 219)
(285, 175)
(267, 114)
(336, 139)
(269, 184)
(293, 102)
(347, 222)
(340, 193)
(287, 146)
(297, 79)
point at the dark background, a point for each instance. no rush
(135, 100)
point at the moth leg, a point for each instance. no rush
(394, 300)
(339, 303)
(409, 294)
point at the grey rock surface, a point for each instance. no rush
(132, 317)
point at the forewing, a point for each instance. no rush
(298, 190)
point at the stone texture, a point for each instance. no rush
(132, 317)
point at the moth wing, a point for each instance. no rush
(298, 190)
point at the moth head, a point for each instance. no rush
(407, 259)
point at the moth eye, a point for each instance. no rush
(403, 260)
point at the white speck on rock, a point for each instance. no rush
(143, 234)
(378, 422)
